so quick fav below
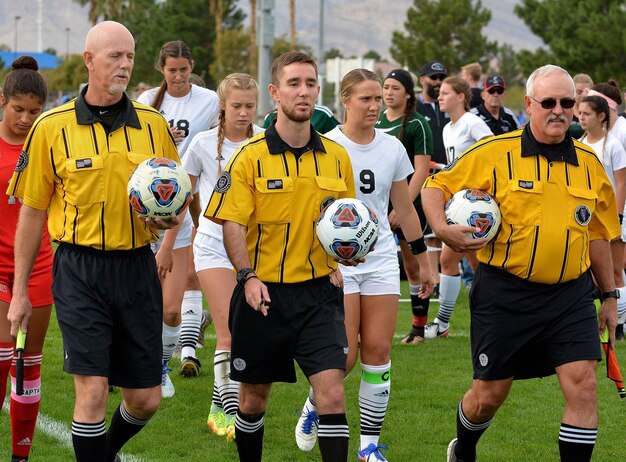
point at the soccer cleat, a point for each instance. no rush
(306, 430)
(412, 339)
(204, 323)
(190, 367)
(373, 453)
(167, 387)
(434, 330)
(451, 454)
(230, 428)
(217, 421)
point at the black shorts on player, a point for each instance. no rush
(305, 322)
(111, 327)
(555, 324)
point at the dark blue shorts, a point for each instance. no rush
(110, 311)
(305, 322)
(524, 329)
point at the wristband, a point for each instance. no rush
(418, 246)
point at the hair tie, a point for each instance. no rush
(612, 104)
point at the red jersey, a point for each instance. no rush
(9, 213)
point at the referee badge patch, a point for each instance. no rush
(582, 215)
(223, 182)
(22, 162)
(239, 364)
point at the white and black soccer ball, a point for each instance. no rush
(159, 188)
(473, 207)
(347, 229)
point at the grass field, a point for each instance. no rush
(427, 383)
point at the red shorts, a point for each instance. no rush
(39, 285)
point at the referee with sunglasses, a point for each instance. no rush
(532, 301)
(498, 118)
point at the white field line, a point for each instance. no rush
(60, 432)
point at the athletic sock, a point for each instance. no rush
(90, 441)
(468, 433)
(6, 356)
(170, 340)
(190, 325)
(419, 307)
(575, 443)
(249, 430)
(373, 401)
(24, 409)
(449, 287)
(333, 437)
(123, 427)
(227, 389)
(621, 305)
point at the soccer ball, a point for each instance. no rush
(347, 229)
(474, 207)
(159, 188)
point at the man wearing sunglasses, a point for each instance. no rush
(500, 119)
(532, 301)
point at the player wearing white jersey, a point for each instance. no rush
(463, 130)
(208, 153)
(189, 109)
(372, 289)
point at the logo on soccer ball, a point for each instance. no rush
(162, 162)
(135, 202)
(582, 215)
(474, 195)
(346, 250)
(483, 221)
(346, 216)
(164, 191)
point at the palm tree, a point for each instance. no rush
(292, 24)
(108, 9)
(252, 55)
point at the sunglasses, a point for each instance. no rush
(550, 103)
(498, 90)
(437, 77)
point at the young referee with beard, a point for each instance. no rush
(75, 168)
(288, 303)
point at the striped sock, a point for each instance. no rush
(123, 427)
(333, 437)
(373, 401)
(170, 338)
(191, 312)
(575, 443)
(419, 307)
(449, 288)
(468, 434)
(90, 441)
(249, 430)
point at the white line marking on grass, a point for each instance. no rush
(61, 432)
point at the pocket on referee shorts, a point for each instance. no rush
(85, 180)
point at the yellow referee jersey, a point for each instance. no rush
(70, 166)
(551, 209)
(278, 195)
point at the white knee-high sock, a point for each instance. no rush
(190, 326)
(170, 337)
(373, 401)
(227, 389)
(449, 287)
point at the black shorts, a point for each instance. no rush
(525, 329)
(305, 322)
(417, 203)
(110, 311)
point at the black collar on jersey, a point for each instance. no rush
(276, 145)
(563, 151)
(84, 116)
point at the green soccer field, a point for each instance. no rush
(427, 382)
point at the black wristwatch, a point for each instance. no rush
(243, 273)
(610, 294)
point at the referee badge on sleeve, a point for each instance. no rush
(22, 162)
(223, 182)
(582, 215)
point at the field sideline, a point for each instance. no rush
(427, 382)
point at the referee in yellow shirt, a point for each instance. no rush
(532, 301)
(288, 303)
(76, 163)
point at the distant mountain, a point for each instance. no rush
(353, 26)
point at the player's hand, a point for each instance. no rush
(393, 221)
(160, 223)
(458, 238)
(607, 318)
(257, 295)
(336, 279)
(179, 135)
(165, 261)
(427, 282)
(355, 262)
(20, 311)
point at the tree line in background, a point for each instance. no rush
(583, 36)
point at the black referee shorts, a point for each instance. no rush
(525, 329)
(305, 322)
(110, 311)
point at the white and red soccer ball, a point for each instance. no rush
(159, 188)
(473, 207)
(347, 229)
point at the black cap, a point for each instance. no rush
(433, 68)
(494, 81)
(405, 78)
